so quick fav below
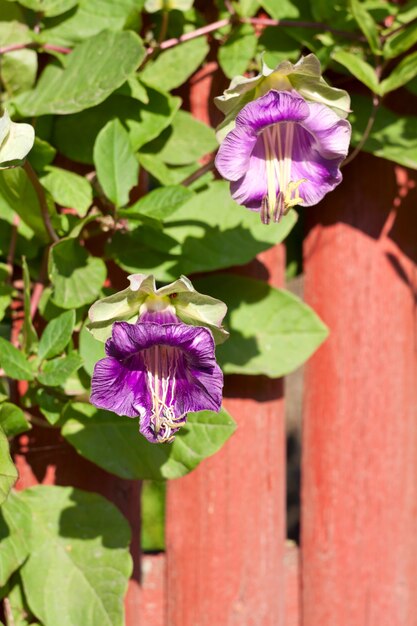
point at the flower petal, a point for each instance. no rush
(252, 187)
(332, 134)
(232, 160)
(118, 388)
(272, 108)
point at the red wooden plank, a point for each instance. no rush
(292, 584)
(226, 521)
(359, 522)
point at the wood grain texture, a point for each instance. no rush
(359, 496)
(226, 520)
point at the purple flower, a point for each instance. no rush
(158, 369)
(283, 151)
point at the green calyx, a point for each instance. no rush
(142, 295)
(304, 77)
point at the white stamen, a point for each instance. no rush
(282, 192)
(161, 364)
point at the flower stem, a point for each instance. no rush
(208, 167)
(42, 201)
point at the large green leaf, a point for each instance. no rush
(238, 50)
(76, 276)
(91, 350)
(17, 194)
(91, 18)
(8, 472)
(172, 68)
(18, 68)
(405, 71)
(144, 122)
(185, 141)
(56, 372)
(94, 70)
(367, 25)
(56, 335)
(392, 136)
(68, 189)
(282, 9)
(114, 442)
(208, 232)
(49, 7)
(158, 205)
(12, 420)
(15, 528)
(359, 68)
(14, 362)
(79, 565)
(116, 165)
(272, 332)
(401, 41)
(30, 337)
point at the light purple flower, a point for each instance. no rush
(282, 152)
(158, 369)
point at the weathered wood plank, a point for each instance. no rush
(226, 520)
(359, 497)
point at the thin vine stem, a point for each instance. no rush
(42, 201)
(375, 106)
(199, 32)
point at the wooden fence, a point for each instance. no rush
(227, 562)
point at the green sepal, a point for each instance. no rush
(190, 306)
(16, 140)
(304, 77)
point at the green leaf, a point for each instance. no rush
(152, 508)
(117, 167)
(172, 67)
(185, 141)
(56, 335)
(208, 232)
(41, 155)
(14, 362)
(272, 332)
(6, 292)
(392, 137)
(401, 41)
(77, 277)
(400, 75)
(166, 5)
(49, 8)
(18, 68)
(56, 372)
(282, 9)
(81, 540)
(366, 24)
(8, 472)
(158, 205)
(15, 528)
(143, 121)
(12, 420)
(68, 189)
(30, 338)
(114, 442)
(22, 615)
(91, 18)
(17, 194)
(364, 72)
(49, 405)
(238, 50)
(94, 70)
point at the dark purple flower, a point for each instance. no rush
(158, 370)
(283, 151)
